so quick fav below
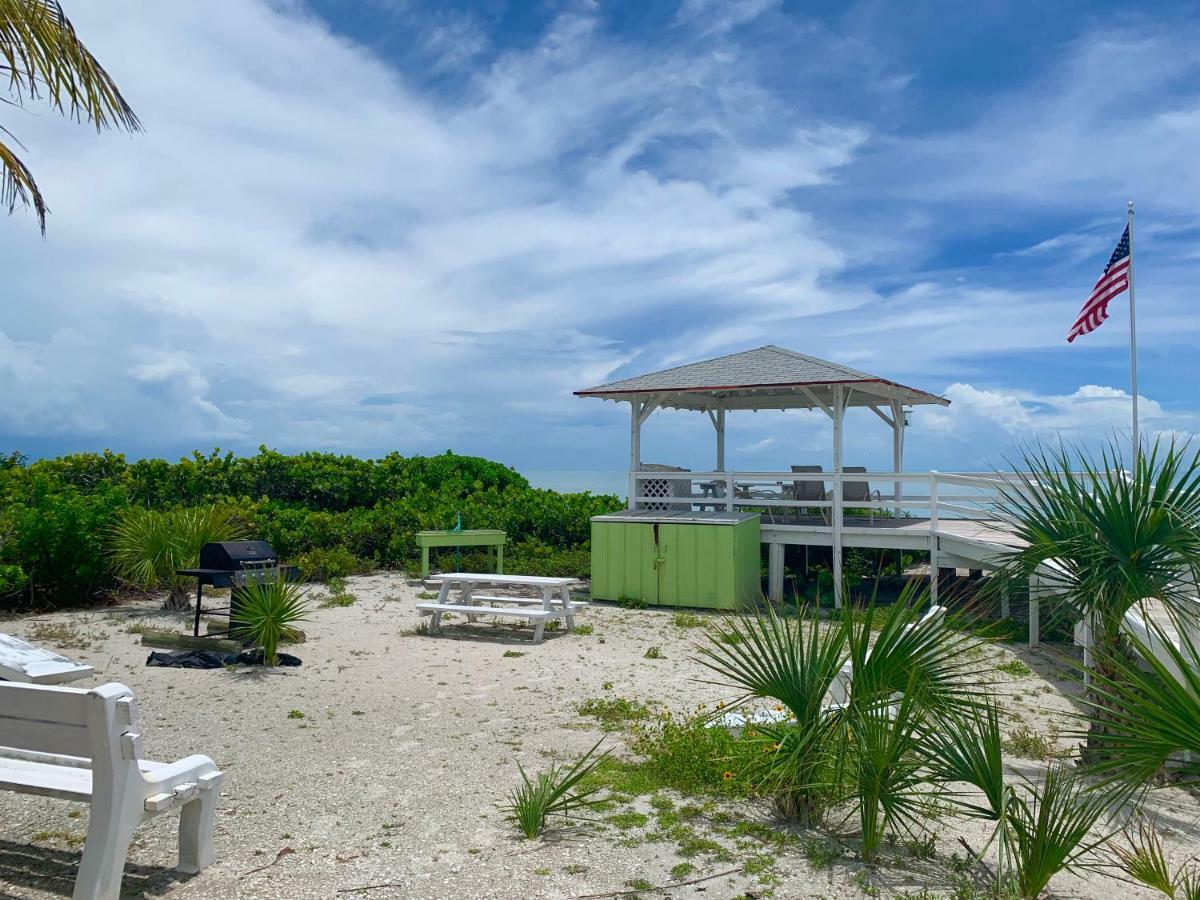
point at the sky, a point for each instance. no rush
(372, 225)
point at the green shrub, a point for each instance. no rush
(55, 534)
(323, 565)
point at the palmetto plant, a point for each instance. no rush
(267, 613)
(1150, 707)
(41, 57)
(1145, 861)
(870, 749)
(148, 546)
(1101, 538)
(555, 792)
(792, 660)
(1041, 827)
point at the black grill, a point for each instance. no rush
(233, 564)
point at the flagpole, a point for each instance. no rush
(1137, 445)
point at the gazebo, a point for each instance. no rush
(768, 378)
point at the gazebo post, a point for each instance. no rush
(720, 423)
(635, 448)
(839, 411)
(898, 426)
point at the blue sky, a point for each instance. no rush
(393, 225)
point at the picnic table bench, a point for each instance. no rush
(22, 661)
(555, 601)
(87, 746)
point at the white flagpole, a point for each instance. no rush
(1137, 445)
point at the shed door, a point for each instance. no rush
(695, 564)
(623, 561)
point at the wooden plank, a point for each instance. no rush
(22, 661)
(63, 782)
(43, 703)
(495, 578)
(427, 609)
(171, 640)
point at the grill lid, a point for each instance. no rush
(234, 555)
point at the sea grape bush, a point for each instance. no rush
(339, 514)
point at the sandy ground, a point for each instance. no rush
(407, 745)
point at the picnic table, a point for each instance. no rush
(554, 603)
(472, 537)
(22, 661)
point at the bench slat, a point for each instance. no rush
(63, 782)
(461, 608)
(43, 703)
(44, 737)
(524, 601)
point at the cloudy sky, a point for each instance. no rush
(375, 225)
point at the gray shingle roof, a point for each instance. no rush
(767, 371)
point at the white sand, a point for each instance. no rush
(406, 748)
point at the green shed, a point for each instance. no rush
(707, 559)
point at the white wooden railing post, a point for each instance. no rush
(1034, 610)
(633, 484)
(837, 539)
(933, 537)
(729, 485)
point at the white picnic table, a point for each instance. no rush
(22, 661)
(555, 601)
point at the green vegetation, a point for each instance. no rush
(1015, 668)
(689, 620)
(626, 602)
(148, 546)
(332, 515)
(559, 791)
(612, 712)
(1116, 537)
(582, 630)
(267, 614)
(654, 652)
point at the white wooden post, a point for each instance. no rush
(775, 572)
(897, 451)
(1034, 610)
(635, 449)
(839, 410)
(1004, 602)
(933, 538)
(1088, 639)
(720, 440)
(729, 487)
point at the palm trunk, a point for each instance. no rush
(1107, 647)
(177, 600)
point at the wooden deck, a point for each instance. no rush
(972, 543)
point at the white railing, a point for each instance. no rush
(816, 498)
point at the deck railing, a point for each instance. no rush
(781, 497)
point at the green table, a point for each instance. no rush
(480, 537)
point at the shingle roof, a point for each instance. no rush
(769, 373)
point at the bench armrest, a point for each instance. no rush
(171, 775)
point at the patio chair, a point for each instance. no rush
(860, 492)
(810, 491)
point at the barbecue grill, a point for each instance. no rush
(234, 564)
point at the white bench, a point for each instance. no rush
(85, 745)
(22, 661)
(555, 601)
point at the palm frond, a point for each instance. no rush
(44, 56)
(17, 186)
(1150, 706)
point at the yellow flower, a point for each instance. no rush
(778, 707)
(775, 746)
(720, 704)
(728, 776)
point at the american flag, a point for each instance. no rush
(1114, 279)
